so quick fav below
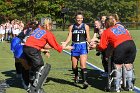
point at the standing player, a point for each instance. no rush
(32, 50)
(2, 32)
(99, 27)
(79, 32)
(124, 50)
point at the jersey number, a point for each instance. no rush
(38, 33)
(119, 30)
(77, 37)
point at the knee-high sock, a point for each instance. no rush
(75, 71)
(84, 74)
(18, 67)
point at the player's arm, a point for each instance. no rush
(103, 41)
(94, 37)
(53, 43)
(47, 46)
(87, 33)
(68, 37)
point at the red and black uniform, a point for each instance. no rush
(36, 41)
(119, 38)
(39, 38)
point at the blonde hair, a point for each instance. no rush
(47, 21)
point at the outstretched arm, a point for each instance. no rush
(68, 37)
(53, 43)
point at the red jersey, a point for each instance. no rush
(39, 38)
(114, 36)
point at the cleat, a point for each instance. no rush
(85, 85)
(118, 89)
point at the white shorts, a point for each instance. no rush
(16, 31)
(2, 31)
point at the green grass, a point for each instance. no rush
(60, 79)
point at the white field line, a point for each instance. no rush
(136, 89)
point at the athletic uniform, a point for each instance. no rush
(79, 40)
(124, 52)
(38, 39)
(32, 50)
(119, 38)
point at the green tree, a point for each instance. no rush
(36, 9)
(96, 8)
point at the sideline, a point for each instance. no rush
(136, 89)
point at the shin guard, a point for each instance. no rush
(118, 76)
(130, 76)
(40, 78)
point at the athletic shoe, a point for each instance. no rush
(76, 79)
(130, 88)
(85, 85)
(24, 85)
(118, 89)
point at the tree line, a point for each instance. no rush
(64, 10)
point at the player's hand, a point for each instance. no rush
(47, 54)
(63, 44)
(68, 47)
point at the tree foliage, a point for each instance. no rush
(36, 9)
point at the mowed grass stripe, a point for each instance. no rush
(60, 79)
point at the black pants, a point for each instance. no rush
(124, 53)
(33, 57)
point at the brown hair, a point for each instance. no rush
(115, 16)
(109, 22)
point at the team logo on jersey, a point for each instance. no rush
(119, 30)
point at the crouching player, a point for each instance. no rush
(32, 50)
(124, 50)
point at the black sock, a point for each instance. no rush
(84, 74)
(75, 71)
(25, 76)
(18, 67)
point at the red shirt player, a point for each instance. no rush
(35, 44)
(124, 51)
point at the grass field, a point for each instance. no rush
(60, 79)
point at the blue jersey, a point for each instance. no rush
(17, 48)
(79, 33)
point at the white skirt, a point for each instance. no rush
(16, 31)
(2, 31)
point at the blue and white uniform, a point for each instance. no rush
(79, 40)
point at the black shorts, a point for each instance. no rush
(33, 57)
(124, 53)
